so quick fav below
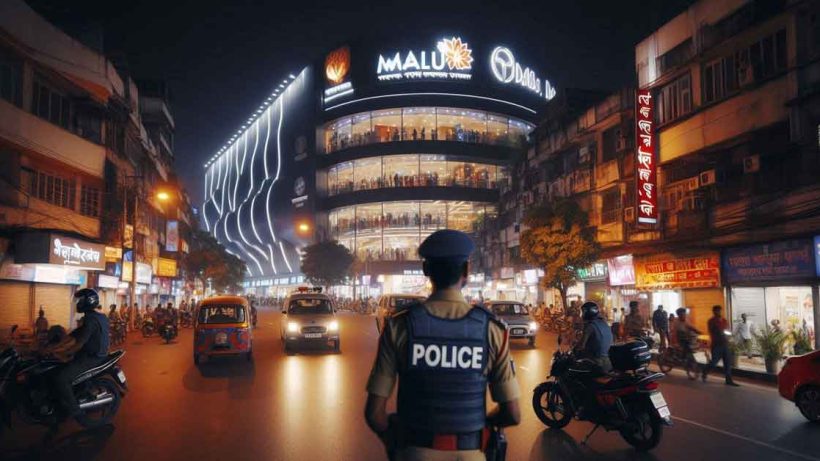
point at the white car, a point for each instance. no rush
(519, 322)
(309, 318)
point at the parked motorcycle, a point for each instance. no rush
(24, 389)
(118, 333)
(627, 400)
(148, 327)
(168, 331)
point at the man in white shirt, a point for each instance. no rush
(744, 333)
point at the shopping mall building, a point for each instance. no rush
(375, 145)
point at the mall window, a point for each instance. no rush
(401, 170)
(11, 79)
(674, 100)
(50, 104)
(433, 170)
(90, 201)
(425, 123)
(50, 188)
(367, 173)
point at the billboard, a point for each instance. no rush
(172, 236)
(646, 179)
(667, 271)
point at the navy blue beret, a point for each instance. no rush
(447, 244)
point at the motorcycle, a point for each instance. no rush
(147, 327)
(168, 331)
(118, 334)
(25, 390)
(627, 400)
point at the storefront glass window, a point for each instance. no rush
(419, 123)
(401, 170)
(464, 216)
(433, 215)
(497, 129)
(368, 219)
(342, 221)
(387, 125)
(368, 173)
(369, 248)
(425, 123)
(343, 178)
(433, 170)
(361, 131)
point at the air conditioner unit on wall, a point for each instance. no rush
(751, 164)
(707, 178)
(629, 214)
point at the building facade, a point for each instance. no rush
(76, 155)
(701, 183)
(408, 138)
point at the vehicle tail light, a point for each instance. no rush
(650, 386)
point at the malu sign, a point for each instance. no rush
(452, 58)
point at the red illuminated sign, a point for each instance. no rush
(646, 174)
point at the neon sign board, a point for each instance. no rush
(646, 177)
(451, 59)
(508, 71)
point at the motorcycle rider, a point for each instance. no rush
(596, 339)
(441, 402)
(685, 332)
(85, 348)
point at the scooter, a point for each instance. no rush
(147, 327)
(168, 331)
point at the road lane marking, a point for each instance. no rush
(747, 439)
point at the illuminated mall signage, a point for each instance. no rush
(647, 180)
(508, 71)
(451, 59)
(337, 68)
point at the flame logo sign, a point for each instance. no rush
(337, 65)
(458, 54)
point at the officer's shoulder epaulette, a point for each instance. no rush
(404, 310)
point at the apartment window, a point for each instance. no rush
(50, 188)
(88, 125)
(675, 57)
(51, 105)
(115, 136)
(674, 99)
(11, 79)
(612, 142)
(610, 205)
(720, 79)
(768, 56)
(90, 201)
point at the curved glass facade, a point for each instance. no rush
(412, 170)
(392, 231)
(425, 124)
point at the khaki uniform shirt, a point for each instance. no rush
(392, 356)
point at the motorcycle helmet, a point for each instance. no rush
(590, 311)
(86, 300)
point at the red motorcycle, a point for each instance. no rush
(627, 400)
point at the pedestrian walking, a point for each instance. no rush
(717, 326)
(660, 323)
(744, 334)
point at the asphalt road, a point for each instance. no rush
(309, 407)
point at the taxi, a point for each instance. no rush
(519, 322)
(309, 318)
(222, 327)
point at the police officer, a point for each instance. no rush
(85, 348)
(445, 353)
(597, 338)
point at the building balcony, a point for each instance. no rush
(34, 134)
(19, 210)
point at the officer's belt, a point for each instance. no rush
(449, 442)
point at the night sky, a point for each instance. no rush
(221, 59)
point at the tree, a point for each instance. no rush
(560, 241)
(326, 263)
(208, 260)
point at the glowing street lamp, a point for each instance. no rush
(163, 196)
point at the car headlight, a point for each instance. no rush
(293, 327)
(333, 326)
(533, 325)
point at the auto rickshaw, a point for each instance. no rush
(223, 327)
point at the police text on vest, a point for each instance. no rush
(436, 356)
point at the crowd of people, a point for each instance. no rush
(337, 140)
(480, 178)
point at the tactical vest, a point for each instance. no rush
(442, 387)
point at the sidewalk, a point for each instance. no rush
(753, 368)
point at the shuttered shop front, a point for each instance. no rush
(56, 302)
(15, 308)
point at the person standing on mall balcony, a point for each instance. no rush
(718, 327)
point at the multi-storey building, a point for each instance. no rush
(405, 139)
(72, 142)
(702, 183)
